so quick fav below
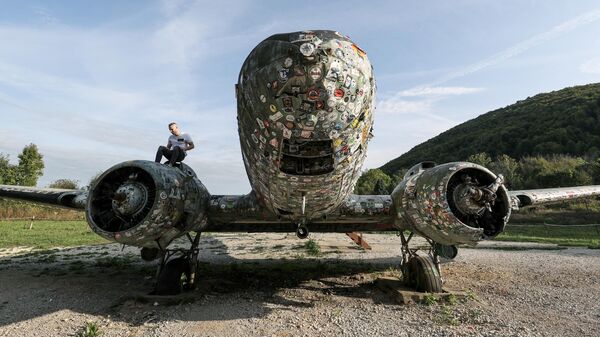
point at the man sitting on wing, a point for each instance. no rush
(177, 146)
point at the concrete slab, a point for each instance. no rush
(405, 295)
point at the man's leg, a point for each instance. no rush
(162, 151)
(176, 155)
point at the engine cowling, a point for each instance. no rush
(452, 203)
(146, 204)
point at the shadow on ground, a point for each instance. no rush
(117, 286)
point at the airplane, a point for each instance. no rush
(305, 111)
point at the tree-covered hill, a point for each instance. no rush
(566, 121)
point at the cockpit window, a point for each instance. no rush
(307, 158)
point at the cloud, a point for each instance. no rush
(591, 66)
(438, 91)
(421, 100)
(522, 46)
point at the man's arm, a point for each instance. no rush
(190, 145)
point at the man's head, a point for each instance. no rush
(174, 129)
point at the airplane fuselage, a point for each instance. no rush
(305, 116)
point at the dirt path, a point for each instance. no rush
(267, 285)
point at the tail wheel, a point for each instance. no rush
(174, 277)
(423, 275)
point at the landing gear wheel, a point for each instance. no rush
(423, 275)
(174, 277)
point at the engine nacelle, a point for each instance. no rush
(146, 204)
(452, 203)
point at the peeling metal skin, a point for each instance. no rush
(426, 202)
(305, 115)
(147, 204)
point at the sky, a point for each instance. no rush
(95, 83)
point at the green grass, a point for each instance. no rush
(47, 234)
(312, 247)
(90, 330)
(564, 235)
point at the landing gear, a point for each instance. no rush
(420, 272)
(176, 274)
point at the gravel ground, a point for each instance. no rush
(267, 285)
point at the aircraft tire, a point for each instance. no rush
(423, 275)
(173, 277)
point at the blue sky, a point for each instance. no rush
(94, 83)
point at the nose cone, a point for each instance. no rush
(130, 198)
(311, 85)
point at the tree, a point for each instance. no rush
(31, 166)
(69, 184)
(509, 168)
(8, 172)
(380, 188)
(481, 158)
(367, 181)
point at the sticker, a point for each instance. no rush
(272, 107)
(276, 116)
(315, 73)
(287, 102)
(274, 142)
(287, 133)
(305, 134)
(307, 49)
(290, 118)
(283, 75)
(263, 98)
(260, 123)
(339, 93)
(289, 125)
(313, 94)
(288, 62)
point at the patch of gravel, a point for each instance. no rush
(268, 285)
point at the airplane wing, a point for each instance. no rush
(73, 199)
(231, 213)
(526, 198)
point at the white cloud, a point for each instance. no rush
(397, 105)
(523, 46)
(438, 91)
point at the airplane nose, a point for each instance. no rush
(130, 198)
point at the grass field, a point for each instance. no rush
(47, 234)
(564, 235)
